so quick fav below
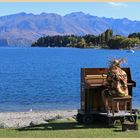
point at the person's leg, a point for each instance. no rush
(105, 97)
(106, 104)
(117, 107)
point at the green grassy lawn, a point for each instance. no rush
(70, 129)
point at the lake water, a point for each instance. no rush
(49, 78)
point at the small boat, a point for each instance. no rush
(131, 51)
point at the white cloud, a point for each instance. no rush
(117, 4)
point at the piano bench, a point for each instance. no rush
(125, 100)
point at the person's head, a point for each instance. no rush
(116, 62)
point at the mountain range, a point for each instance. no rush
(22, 29)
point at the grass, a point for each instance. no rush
(69, 129)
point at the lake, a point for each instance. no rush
(49, 78)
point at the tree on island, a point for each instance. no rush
(104, 39)
(119, 42)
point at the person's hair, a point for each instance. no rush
(116, 62)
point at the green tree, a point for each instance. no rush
(103, 38)
(115, 42)
(82, 43)
(129, 42)
(108, 35)
(134, 35)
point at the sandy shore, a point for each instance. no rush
(23, 119)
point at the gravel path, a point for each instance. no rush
(23, 119)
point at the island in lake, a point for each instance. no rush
(103, 40)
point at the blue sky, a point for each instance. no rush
(129, 10)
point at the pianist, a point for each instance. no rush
(116, 83)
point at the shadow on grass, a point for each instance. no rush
(119, 130)
(63, 126)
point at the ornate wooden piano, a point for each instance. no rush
(92, 84)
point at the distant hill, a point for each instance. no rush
(22, 29)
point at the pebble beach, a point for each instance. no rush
(25, 119)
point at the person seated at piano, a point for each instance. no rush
(116, 83)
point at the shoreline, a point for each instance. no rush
(25, 119)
